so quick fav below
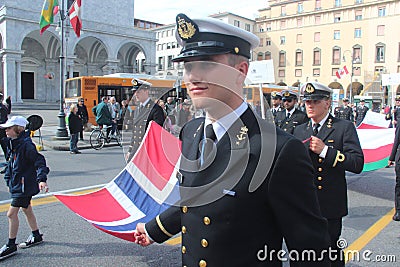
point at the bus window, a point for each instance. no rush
(73, 88)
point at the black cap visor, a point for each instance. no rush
(315, 97)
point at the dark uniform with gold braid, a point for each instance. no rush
(345, 112)
(297, 118)
(344, 154)
(241, 228)
(274, 97)
(142, 117)
(361, 112)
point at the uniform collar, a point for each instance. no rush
(322, 122)
(223, 124)
(145, 102)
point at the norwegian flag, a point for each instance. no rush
(143, 189)
(342, 72)
(75, 17)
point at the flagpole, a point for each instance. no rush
(62, 130)
(351, 80)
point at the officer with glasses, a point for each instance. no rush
(290, 117)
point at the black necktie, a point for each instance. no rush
(208, 142)
(140, 108)
(287, 115)
(315, 129)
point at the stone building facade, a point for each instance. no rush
(109, 44)
(312, 40)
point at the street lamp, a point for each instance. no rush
(62, 130)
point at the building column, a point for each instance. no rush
(150, 68)
(51, 84)
(12, 74)
(110, 67)
(93, 69)
(70, 66)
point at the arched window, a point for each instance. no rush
(267, 55)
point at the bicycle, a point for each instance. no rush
(98, 137)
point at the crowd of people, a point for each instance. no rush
(301, 196)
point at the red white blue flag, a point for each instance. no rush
(144, 188)
(342, 72)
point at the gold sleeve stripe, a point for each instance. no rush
(339, 158)
(162, 228)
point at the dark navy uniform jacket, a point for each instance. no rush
(140, 121)
(297, 118)
(236, 228)
(344, 154)
(345, 113)
(360, 114)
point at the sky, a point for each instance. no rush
(165, 11)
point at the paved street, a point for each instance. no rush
(71, 241)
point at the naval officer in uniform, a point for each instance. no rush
(361, 112)
(345, 112)
(291, 117)
(145, 111)
(245, 185)
(334, 149)
(276, 103)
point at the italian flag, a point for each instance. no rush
(376, 141)
(50, 8)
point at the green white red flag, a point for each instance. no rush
(49, 10)
(376, 140)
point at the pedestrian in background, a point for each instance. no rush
(75, 127)
(83, 115)
(25, 176)
(334, 149)
(115, 110)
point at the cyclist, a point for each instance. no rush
(103, 115)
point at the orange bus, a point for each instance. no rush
(93, 88)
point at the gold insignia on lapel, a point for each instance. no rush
(186, 27)
(236, 50)
(198, 129)
(329, 125)
(331, 141)
(242, 135)
(310, 88)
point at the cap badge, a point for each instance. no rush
(186, 27)
(134, 82)
(273, 94)
(310, 88)
(236, 50)
(242, 134)
(287, 93)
